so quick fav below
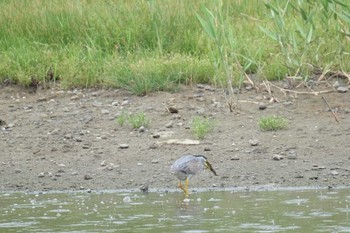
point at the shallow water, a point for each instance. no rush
(215, 211)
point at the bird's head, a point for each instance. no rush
(207, 164)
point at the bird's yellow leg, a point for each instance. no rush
(186, 189)
(180, 186)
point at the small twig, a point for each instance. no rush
(300, 92)
(251, 82)
(332, 111)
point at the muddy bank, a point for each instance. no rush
(70, 140)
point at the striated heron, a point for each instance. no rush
(187, 166)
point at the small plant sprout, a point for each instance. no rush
(272, 123)
(137, 120)
(121, 119)
(200, 126)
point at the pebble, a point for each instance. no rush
(154, 161)
(207, 149)
(97, 104)
(253, 142)
(144, 188)
(336, 84)
(172, 109)
(115, 103)
(277, 157)
(169, 124)
(142, 129)
(334, 173)
(342, 89)
(105, 111)
(262, 106)
(125, 102)
(103, 163)
(41, 175)
(124, 146)
(87, 177)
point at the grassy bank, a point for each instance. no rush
(154, 45)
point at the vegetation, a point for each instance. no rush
(200, 126)
(272, 123)
(153, 45)
(135, 120)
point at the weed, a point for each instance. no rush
(121, 119)
(200, 126)
(272, 123)
(137, 120)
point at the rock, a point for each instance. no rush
(342, 89)
(86, 146)
(207, 149)
(253, 142)
(124, 146)
(169, 124)
(142, 129)
(157, 135)
(234, 158)
(334, 173)
(336, 84)
(41, 175)
(127, 199)
(292, 154)
(68, 136)
(262, 106)
(172, 109)
(183, 142)
(115, 103)
(18, 170)
(87, 177)
(277, 157)
(153, 146)
(103, 163)
(154, 161)
(125, 102)
(144, 188)
(97, 104)
(105, 111)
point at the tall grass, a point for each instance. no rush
(153, 45)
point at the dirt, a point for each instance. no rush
(70, 140)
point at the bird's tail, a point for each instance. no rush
(208, 165)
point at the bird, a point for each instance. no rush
(187, 166)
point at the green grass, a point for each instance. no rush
(135, 120)
(156, 45)
(201, 127)
(272, 123)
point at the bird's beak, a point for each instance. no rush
(208, 165)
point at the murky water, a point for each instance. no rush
(216, 211)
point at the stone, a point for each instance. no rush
(87, 177)
(342, 89)
(172, 109)
(277, 157)
(253, 142)
(105, 111)
(124, 146)
(169, 124)
(142, 129)
(262, 106)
